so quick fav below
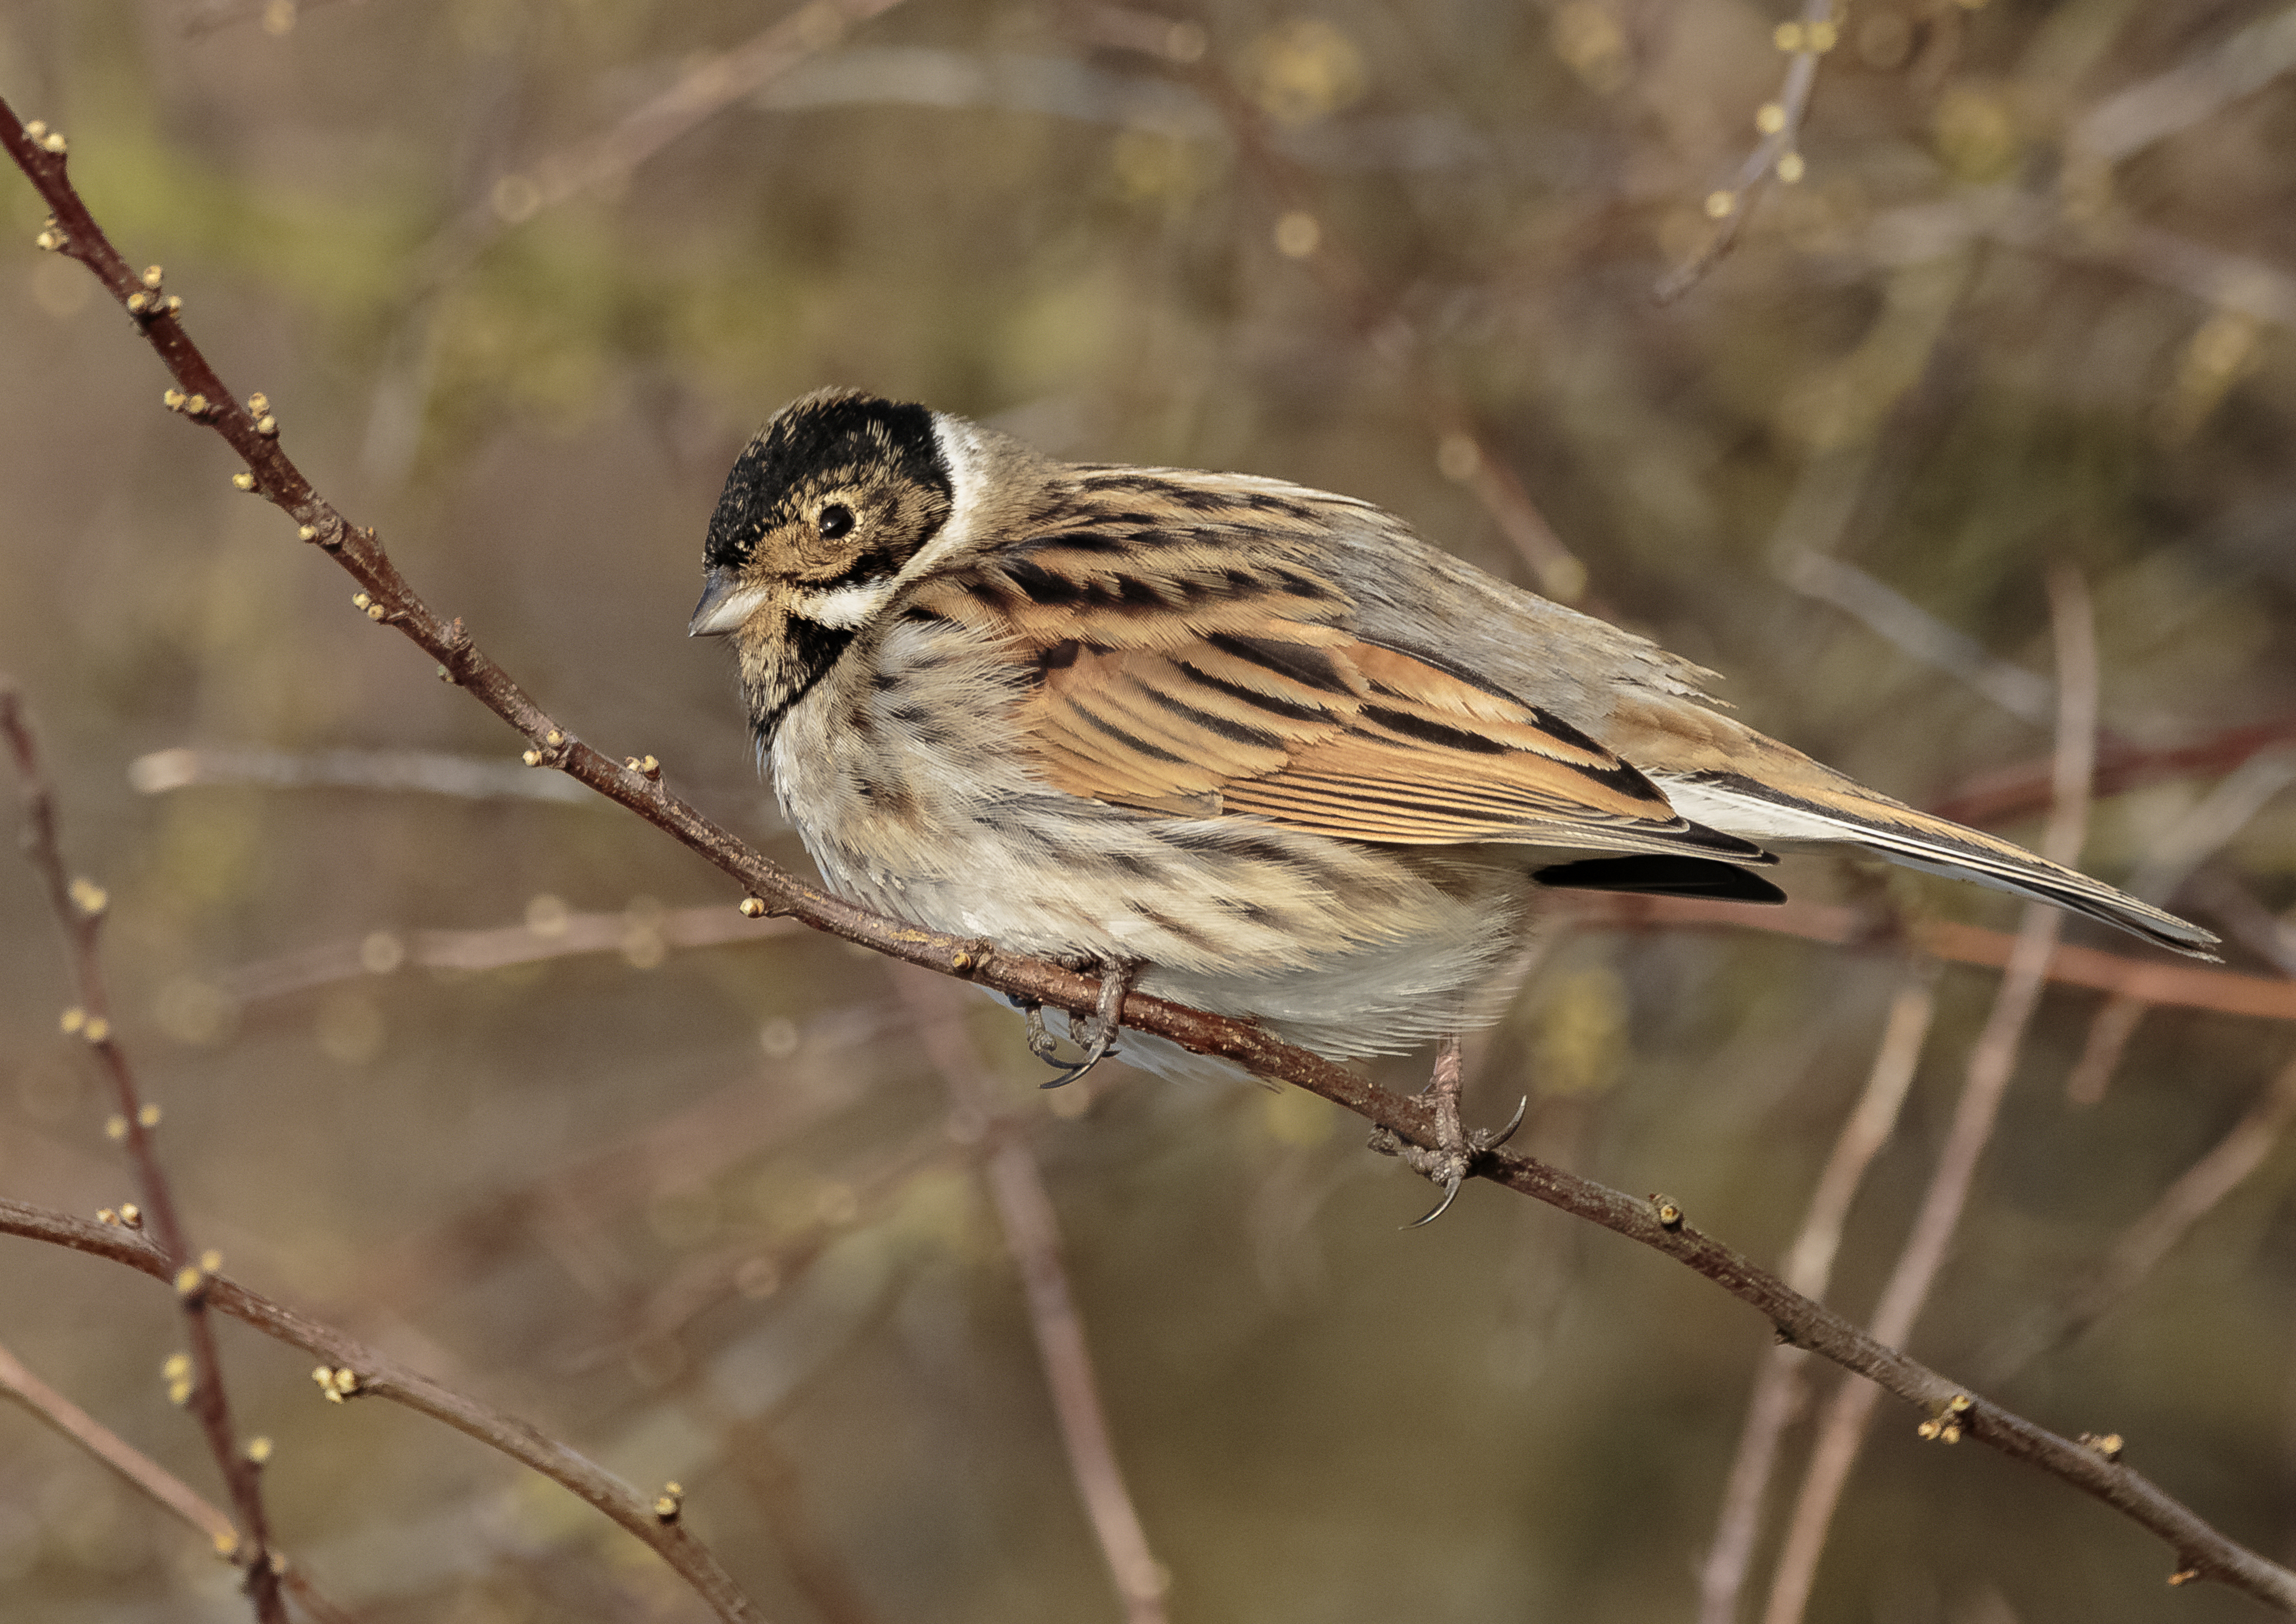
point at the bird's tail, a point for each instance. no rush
(1834, 811)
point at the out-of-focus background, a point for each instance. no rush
(445, 1057)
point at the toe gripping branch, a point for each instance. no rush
(1097, 1032)
(1457, 1149)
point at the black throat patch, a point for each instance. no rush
(812, 649)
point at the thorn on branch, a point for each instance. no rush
(2109, 1445)
(1669, 1215)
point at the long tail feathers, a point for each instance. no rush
(1842, 813)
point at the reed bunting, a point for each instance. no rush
(1259, 745)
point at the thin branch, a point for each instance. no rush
(146, 1475)
(1992, 1061)
(79, 906)
(387, 598)
(1805, 40)
(1032, 1236)
(2145, 1242)
(702, 89)
(2004, 792)
(2115, 1022)
(1779, 1390)
(427, 772)
(820, 1574)
(1461, 448)
(1899, 619)
(2134, 118)
(2186, 985)
(636, 934)
(355, 1371)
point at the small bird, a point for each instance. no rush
(1251, 747)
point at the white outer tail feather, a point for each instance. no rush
(1937, 846)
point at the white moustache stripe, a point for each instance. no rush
(843, 608)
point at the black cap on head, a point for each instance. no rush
(821, 439)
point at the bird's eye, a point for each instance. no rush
(833, 520)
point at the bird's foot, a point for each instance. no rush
(1095, 1032)
(1458, 1149)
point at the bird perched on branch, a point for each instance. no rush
(1257, 746)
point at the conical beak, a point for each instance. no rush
(724, 604)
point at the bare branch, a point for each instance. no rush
(2227, 992)
(2152, 1237)
(1024, 1209)
(2152, 109)
(1992, 1061)
(702, 89)
(422, 771)
(637, 784)
(147, 1476)
(1779, 1390)
(1810, 36)
(2013, 792)
(550, 933)
(79, 906)
(356, 1370)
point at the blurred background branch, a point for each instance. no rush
(673, 1203)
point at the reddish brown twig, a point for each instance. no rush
(79, 906)
(147, 1476)
(1032, 1235)
(2007, 792)
(637, 785)
(2186, 985)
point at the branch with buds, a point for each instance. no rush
(1949, 1410)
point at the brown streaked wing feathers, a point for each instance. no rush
(1238, 701)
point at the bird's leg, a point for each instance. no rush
(1095, 1032)
(1457, 1149)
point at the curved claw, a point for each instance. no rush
(1450, 1193)
(1514, 1122)
(1070, 1074)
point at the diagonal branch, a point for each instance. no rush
(1804, 40)
(1779, 1390)
(353, 1370)
(79, 906)
(637, 784)
(1024, 1209)
(147, 1476)
(1992, 1062)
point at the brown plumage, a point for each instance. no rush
(1261, 742)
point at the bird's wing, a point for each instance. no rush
(1197, 671)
